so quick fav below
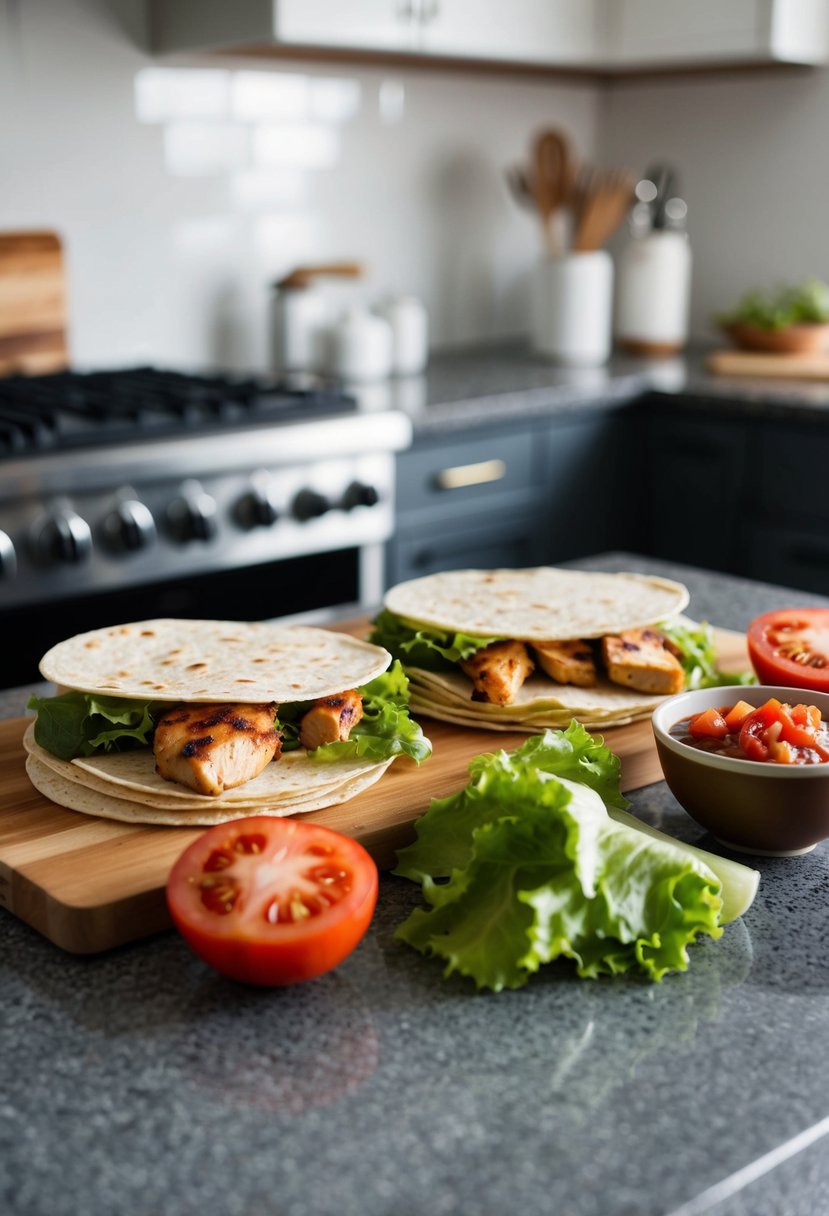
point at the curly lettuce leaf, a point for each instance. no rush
(385, 730)
(418, 646)
(79, 723)
(525, 866)
(444, 835)
(698, 655)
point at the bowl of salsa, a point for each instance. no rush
(749, 764)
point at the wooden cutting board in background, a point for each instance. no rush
(779, 367)
(90, 884)
(32, 303)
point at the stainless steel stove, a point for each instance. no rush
(145, 492)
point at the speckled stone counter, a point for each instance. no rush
(141, 1083)
(477, 387)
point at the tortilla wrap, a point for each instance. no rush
(293, 781)
(77, 797)
(537, 604)
(213, 661)
(209, 662)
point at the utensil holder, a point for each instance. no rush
(573, 308)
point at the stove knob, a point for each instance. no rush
(257, 508)
(192, 516)
(129, 527)
(8, 557)
(62, 537)
(359, 494)
(309, 504)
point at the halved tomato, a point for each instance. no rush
(272, 901)
(791, 647)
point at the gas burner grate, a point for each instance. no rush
(96, 409)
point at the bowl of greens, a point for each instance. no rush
(791, 319)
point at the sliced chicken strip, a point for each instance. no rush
(212, 748)
(498, 671)
(331, 719)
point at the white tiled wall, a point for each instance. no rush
(182, 193)
(750, 148)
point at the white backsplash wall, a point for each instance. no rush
(750, 150)
(175, 220)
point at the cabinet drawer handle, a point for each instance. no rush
(470, 474)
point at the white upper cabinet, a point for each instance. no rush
(522, 31)
(650, 33)
(391, 25)
(610, 36)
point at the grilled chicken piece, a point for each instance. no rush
(567, 662)
(498, 671)
(331, 719)
(643, 659)
(212, 748)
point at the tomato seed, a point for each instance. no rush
(328, 875)
(218, 860)
(219, 894)
(250, 844)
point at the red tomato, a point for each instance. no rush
(754, 731)
(272, 901)
(791, 647)
(710, 724)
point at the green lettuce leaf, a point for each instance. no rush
(79, 723)
(417, 646)
(385, 730)
(525, 865)
(698, 656)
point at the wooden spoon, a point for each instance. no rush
(552, 183)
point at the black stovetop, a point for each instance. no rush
(85, 409)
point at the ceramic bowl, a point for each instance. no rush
(780, 810)
(803, 339)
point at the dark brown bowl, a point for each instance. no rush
(756, 807)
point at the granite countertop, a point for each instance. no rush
(479, 386)
(139, 1082)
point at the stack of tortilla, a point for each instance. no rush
(532, 605)
(205, 662)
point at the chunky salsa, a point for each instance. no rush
(776, 732)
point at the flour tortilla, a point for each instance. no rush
(204, 662)
(537, 604)
(213, 662)
(537, 696)
(78, 797)
(292, 781)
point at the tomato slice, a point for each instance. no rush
(272, 901)
(791, 647)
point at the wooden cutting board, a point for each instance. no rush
(90, 884)
(32, 303)
(779, 367)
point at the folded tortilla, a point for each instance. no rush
(541, 604)
(209, 662)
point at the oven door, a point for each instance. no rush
(259, 592)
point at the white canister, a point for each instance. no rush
(410, 334)
(653, 293)
(299, 324)
(573, 308)
(361, 346)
